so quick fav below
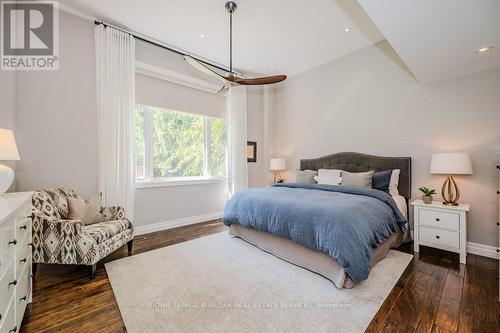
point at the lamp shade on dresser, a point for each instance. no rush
(8, 152)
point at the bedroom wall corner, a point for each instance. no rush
(365, 102)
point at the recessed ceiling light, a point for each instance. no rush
(271, 66)
(484, 49)
(347, 29)
(202, 35)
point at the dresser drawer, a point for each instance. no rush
(7, 246)
(23, 226)
(22, 294)
(6, 290)
(8, 323)
(439, 237)
(27, 210)
(439, 219)
(22, 261)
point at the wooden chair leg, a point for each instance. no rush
(34, 266)
(92, 270)
(130, 246)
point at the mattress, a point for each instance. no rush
(311, 260)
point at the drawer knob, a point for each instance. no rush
(498, 250)
(13, 283)
(23, 260)
(437, 219)
(23, 298)
(437, 237)
(14, 242)
(23, 227)
(14, 330)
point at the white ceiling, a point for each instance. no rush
(291, 35)
(437, 39)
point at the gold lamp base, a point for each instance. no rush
(450, 192)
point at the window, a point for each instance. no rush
(173, 145)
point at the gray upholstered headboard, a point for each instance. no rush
(356, 162)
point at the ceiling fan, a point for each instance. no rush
(232, 79)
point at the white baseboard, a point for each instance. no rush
(482, 250)
(149, 228)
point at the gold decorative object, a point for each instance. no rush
(451, 164)
(450, 192)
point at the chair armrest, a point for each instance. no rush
(113, 213)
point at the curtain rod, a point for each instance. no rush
(159, 44)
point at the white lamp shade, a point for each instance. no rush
(8, 148)
(451, 163)
(277, 164)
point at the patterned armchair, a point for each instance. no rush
(57, 240)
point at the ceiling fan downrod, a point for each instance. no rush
(231, 8)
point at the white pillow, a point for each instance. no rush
(306, 176)
(394, 183)
(358, 179)
(329, 176)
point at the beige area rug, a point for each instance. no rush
(223, 284)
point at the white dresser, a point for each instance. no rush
(440, 226)
(15, 259)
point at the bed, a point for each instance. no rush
(338, 232)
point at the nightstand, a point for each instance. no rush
(440, 226)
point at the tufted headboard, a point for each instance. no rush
(356, 162)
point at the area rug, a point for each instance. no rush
(223, 284)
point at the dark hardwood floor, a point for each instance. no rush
(434, 294)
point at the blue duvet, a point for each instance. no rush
(343, 222)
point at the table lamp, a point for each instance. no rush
(451, 164)
(8, 152)
(276, 165)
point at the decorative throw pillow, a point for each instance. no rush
(381, 180)
(87, 211)
(306, 176)
(393, 186)
(359, 179)
(329, 176)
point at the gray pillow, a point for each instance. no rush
(306, 176)
(360, 179)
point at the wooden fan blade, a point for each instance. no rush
(256, 81)
(202, 67)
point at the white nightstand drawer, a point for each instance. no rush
(439, 219)
(440, 237)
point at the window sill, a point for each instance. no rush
(168, 182)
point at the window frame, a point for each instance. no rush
(150, 181)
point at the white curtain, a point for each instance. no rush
(236, 104)
(115, 69)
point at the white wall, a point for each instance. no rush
(368, 102)
(56, 118)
